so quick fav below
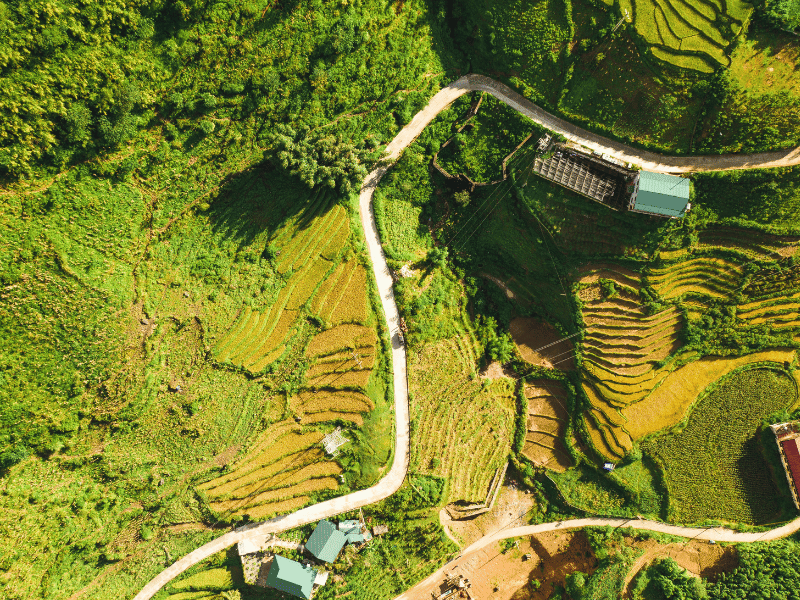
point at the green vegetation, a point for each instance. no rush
(147, 226)
(485, 140)
(764, 571)
(531, 39)
(665, 579)
(713, 468)
(607, 581)
(414, 547)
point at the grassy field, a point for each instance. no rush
(712, 467)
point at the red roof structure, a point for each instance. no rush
(788, 435)
(792, 458)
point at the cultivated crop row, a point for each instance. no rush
(461, 430)
(547, 424)
(713, 467)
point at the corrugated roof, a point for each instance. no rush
(326, 542)
(346, 525)
(666, 185)
(661, 194)
(291, 577)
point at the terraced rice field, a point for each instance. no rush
(692, 35)
(752, 243)
(461, 429)
(284, 467)
(547, 425)
(782, 312)
(306, 251)
(324, 279)
(622, 349)
(673, 399)
(704, 275)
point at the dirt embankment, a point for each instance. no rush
(701, 559)
(506, 572)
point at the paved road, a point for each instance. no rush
(392, 481)
(644, 158)
(718, 534)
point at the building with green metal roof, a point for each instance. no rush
(291, 577)
(326, 542)
(662, 195)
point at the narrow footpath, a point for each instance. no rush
(394, 479)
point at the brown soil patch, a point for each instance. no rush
(499, 575)
(547, 425)
(531, 334)
(494, 371)
(701, 559)
(512, 503)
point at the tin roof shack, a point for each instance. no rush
(588, 175)
(661, 195)
(291, 577)
(787, 435)
(326, 542)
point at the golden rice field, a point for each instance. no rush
(630, 392)
(307, 252)
(704, 275)
(547, 425)
(461, 429)
(694, 35)
(276, 475)
(326, 280)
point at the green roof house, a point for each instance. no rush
(326, 542)
(291, 577)
(662, 195)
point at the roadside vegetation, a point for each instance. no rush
(414, 547)
(176, 287)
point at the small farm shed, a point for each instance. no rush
(661, 194)
(326, 542)
(291, 577)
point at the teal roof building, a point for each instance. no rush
(326, 542)
(662, 195)
(291, 577)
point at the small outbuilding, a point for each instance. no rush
(326, 542)
(661, 194)
(291, 577)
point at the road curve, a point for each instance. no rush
(392, 481)
(719, 534)
(650, 161)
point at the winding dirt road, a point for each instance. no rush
(718, 534)
(650, 161)
(392, 481)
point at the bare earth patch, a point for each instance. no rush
(499, 575)
(494, 371)
(530, 335)
(701, 559)
(512, 502)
